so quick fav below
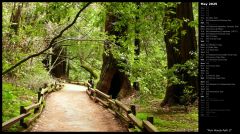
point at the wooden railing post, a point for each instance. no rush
(92, 84)
(45, 85)
(22, 111)
(39, 95)
(109, 104)
(25, 111)
(88, 87)
(118, 108)
(148, 125)
(136, 86)
(150, 119)
(130, 125)
(94, 96)
(54, 87)
(133, 109)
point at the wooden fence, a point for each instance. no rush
(120, 110)
(36, 109)
(79, 83)
(116, 107)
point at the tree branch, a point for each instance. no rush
(78, 39)
(52, 43)
(61, 56)
(52, 66)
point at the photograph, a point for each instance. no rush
(117, 66)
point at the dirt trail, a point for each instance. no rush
(72, 110)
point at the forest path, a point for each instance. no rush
(70, 109)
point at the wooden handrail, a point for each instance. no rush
(12, 121)
(103, 102)
(92, 90)
(32, 107)
(124, 107)
(149, 126)
(135, 120)
(102, 94)
(125, 118)
(111, 101)
(44, 90)
(35, 116)
(131, 112)
(37, 105)
(88, 84)
(25, 112)
(88, 92)
(78, 82)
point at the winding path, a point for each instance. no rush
(70, 109)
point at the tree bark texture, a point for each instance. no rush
(59, 71)
(181, 52)
(15, 17)
(112, 81)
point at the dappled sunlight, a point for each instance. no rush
(135, 56)
(72, 87)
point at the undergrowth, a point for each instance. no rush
(167, 119)
(12, 98)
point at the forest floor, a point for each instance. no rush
(166, 119)
(70, 109)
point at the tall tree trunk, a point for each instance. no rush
(59, 62)
(56, 62)
(137, 40)
(15, 17)
(67, 65)
(112, 81)
(181, 52)
(137, 44)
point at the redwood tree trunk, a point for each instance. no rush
(137, 44)
(112, 81)
(186, 44)
(137, 40)
(15, 17)
(57, 62)
(60, 70)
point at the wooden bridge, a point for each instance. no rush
(78, 107)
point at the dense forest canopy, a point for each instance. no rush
(33, 25)
(123, 46)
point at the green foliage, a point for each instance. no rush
(188, 95)
(40, 22)
(88, 28)
(149, 69)
(190, 67)
(174, 24)
(173, 121)
(20, 85)
(12, 98)
(150, 77)
(35, 75)
(90, 70)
